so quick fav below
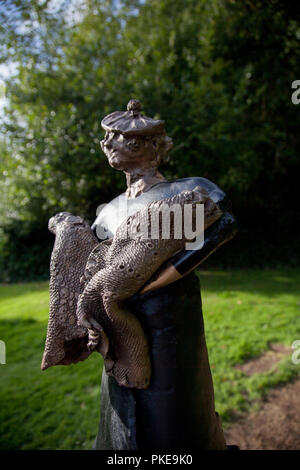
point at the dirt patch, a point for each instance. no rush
(276, 426)
(265, 362)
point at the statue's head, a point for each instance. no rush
(133, 140)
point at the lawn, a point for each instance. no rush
(244, 311)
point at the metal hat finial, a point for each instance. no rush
(134, 106)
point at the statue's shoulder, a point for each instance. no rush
(215, 193)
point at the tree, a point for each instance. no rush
(218, 72)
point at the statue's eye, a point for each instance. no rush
(134, 144)
(108, 135)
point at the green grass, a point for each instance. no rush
(244, 311)
(54, 409)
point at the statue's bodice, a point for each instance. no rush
(116, 211)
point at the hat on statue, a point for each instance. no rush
(132, 122)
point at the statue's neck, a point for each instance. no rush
(141, 180)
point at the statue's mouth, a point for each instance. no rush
(113, 153)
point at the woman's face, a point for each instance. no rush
(126, 153)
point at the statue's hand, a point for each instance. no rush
(94, 339)
(85, 318)
(87, 308)
(95, 332)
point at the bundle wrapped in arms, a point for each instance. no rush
(89, 282)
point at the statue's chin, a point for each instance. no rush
(115, 163)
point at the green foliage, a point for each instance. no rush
(218, 72)
(25, 253)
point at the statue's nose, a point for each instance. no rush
(108, 143)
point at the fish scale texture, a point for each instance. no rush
(113, 271)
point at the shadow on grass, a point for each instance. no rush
(267, 282)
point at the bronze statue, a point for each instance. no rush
(156, 390)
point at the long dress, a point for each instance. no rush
(177, 411)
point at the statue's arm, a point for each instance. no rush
(186, 260)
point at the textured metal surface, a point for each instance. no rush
(127, 263)
(180, 396)
(119, 208)
(114, 272)
(132, 122)
(114, 213)
(66, 341)
(177, 410)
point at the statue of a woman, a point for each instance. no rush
(177, 410)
